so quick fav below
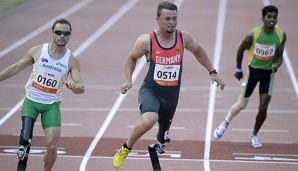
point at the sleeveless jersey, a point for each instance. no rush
(165, 69)
(263, 52)
(47, 77)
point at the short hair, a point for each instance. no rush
(61, 21)
(166, 5)
(269, 8)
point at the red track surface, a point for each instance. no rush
(102, 65)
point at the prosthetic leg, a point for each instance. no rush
(154, 157)
(25, 142)
(163, 138)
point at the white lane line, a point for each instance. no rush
(31, 35)
(291, 71)
(218, 46)
(266, 157)
(265, 154)
(120, 98)
(165, 159)
(287, 62)
(263, 130)
(266, 142)
(262, 158)
(11, 112)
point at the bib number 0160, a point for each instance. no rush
(47, 82)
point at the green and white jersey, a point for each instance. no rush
(47, 77)
(263, 52)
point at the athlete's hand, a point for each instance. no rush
(70, 85)
(125, 87)
(274, 68)
(215, 78)
(239, 75)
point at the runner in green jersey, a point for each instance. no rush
(51, 64)
(265, 45)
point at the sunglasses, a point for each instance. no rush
(59, 32)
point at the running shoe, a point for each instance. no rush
(22, 152)
(120, 157)
(255, 143)
(218, 132)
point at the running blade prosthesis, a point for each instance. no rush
(153, 149)
(154, 157)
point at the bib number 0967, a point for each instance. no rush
(262, 52)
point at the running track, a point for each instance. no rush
(98, 122)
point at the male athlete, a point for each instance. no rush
(159, 93)
(51, 64)
(265, 45)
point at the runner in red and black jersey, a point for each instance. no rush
(159, 93)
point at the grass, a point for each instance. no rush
(7, 5)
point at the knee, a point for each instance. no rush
(51, 144)
(241, 105)
(263, 109)
(148, 123)
(149, 120)
(51, 148)
(264, 102)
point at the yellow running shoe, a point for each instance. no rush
(120, 156)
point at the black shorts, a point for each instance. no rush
(164, 105)
(265, 79)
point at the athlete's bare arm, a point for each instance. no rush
(279, 58)
(20, 65)
(194, 47)
(140, 48)
(76, 84)
(245, 44)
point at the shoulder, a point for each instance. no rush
(281, 34)
(34, 52)
(254, 32)
(36, 48)
(73, 59)
(186, 35)
(144, 38)
(278, 29)
(249, 36)
(73, 62)
(260, 27)
(143, 41)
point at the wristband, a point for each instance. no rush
(238, 70)
(213, 72)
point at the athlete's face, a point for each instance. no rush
(61, 34)
(167, 21)
(270, 20)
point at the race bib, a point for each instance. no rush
(166, 75)
(46, 82)
(264, 52)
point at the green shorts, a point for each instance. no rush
(50, 113)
